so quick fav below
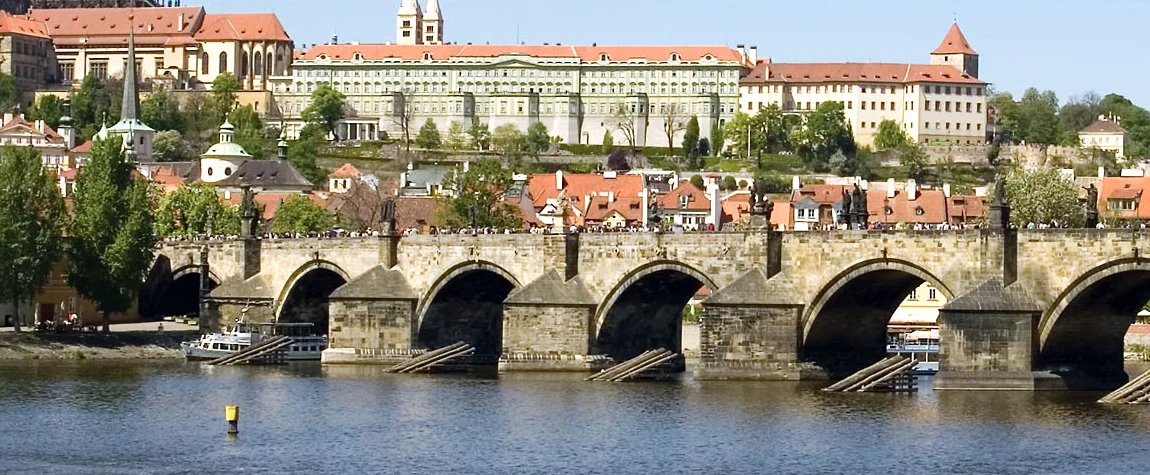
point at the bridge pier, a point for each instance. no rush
(373, 320)
(548, 326)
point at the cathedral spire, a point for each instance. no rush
(131, 98)
(433, 12)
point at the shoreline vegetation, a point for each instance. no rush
(143, 345)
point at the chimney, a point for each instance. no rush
(911, 190)
(180, 22)
(8, 117)
(754, 55)
(1101, 172)
(946, 190)
(716, 210)
(646, 195)
(742, 51)
(796, 185)
(610, 196)
(558, 180)
(890, 188)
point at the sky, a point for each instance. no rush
(1069, 47)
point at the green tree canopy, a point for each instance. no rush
(456, 136)
(428, 137)
(325, 108)
(480, 136)
(703, 150)
(161, 111)
(691, 141)
(9, 93)
(302, 153)
(729, 183)
(299, 214)
(48, 108)
(508, 141)
(185, 212)
(251, 134)
(169, 146)
(913, 160)
(478, 200)
(697, 180)
(890, 136)
(91, 106)
(538, 139)
(225, 90)
(747, 134)
(608, 139)
(32, 218)
(824, 134)
(1042, 196)
(112, 242)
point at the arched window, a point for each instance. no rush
(243, 64)
(427, 56)
(205, 63)
(675, 57)
(258, 68)
(223, 63)
(604, 57)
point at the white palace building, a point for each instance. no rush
(576, 91)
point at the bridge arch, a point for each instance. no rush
(1081, 335)
(172, 292)
(844, 328)
(645, 309)
(304, 297)
(466, 304)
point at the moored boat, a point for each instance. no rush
(306, 345)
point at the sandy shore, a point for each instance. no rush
(117, 345)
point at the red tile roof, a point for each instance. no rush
(18, 25)
(242, 26)
(346, 171)
(152, 26)
(270, 202)
(964, 206)
(372, 52)
(1123, 188)
(21, 123)
(599, 209)
(822, 194)
(783, 214)
(85, 147)
(541, 187)
(735, 206)
(954, 43)
(889, 73)
(697, 199)
(928, 207)
(1103, 127)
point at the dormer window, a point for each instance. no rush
(708, 57)
(357, 56)
(426, 56)
(919, 211)
(676, 57)
(604, 57)
(322, 57)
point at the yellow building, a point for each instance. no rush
(184, 44)
(917, 317)
(1106, 134)
(942, 103)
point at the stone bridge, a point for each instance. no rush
(1028, 309)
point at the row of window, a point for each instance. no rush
(516, 72)
(864, 88)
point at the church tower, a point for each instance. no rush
(433, 24)
(409, 23)
(956, 51)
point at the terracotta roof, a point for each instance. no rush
(888, 73)
(373, 52)
(269, 202)
(416, 212)
(697, 200)
(153, 26)
(928, 207)
(346, 171)
(1123, 188)
(242, 26)
(821, 194)
(599, 209)
(971, 207)
(19, 123)
(85, 147)
(735, 206)
(1103, 127)
(18, 25)
(782, 214)
(954, 43)
(541, 187)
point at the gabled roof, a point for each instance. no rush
(104, 26)
(821, 194)
(18, 25)
(416, 212)
(242, 26)
(551, 289)
(346, 171)
(1124, 188)
(1103, 127)
(378, 283)
(599, 208)
(928, 207)
(753, 288)
(967, 206)
(254, 288)
(954, 43)
(991, 296)
(541, 187)
(696, 199)
(21, 125)
(267, 174)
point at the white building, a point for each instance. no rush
(1105, 134)
(943, 102)
(576, 91)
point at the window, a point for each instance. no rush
(850, 104)
(407, 23)
(918, 211)
(223, 64)
(932, 294)
(67, 72)
(406, 34)
(98, 69)
(913, 295)
(862, 105)
(927, 104)
(979, 107)
(948, 106)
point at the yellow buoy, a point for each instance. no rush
(232, 415)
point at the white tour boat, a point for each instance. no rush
(306, 345)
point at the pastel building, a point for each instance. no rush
(943, 102)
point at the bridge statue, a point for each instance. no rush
(387, 216)
(845, 210)
(1091, 207)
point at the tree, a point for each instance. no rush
(508, 141)
(538, 140)
(480, 136)
(32, 216)
(112, 238)
(913, 160)
(169, 146)
(161, 111)
(478, 198)
(748, 134)
(697, 180)
(824, 134)
(299, 214)
(402, 118)
(890, 136)
(729, 183)
(1039, 114)
(225, 90)
(778, 129)
(428, 138)
(359, 207)
(199, 123)
(624, 120)
(90, 106)
(608, 139)
(302, 153)
(185, 212)
(49, 109)
(250, 132)
(672, 124)
(1042, 196)
(718, 139)
(456, 137)
(617, 162)
(325, 108)
(9, 93)
(703, 150)
(691, 141)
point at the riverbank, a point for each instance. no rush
(79, 346)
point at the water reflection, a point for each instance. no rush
(168, 418)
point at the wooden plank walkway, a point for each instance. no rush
(646, 362)
(433, 359)
(889, 375)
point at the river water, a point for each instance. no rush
(146, 417)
